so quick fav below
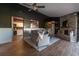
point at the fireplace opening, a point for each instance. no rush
(66, 32)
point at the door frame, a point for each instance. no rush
(12, 19)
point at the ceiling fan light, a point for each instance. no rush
(35, 8)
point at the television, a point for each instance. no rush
(64, 24)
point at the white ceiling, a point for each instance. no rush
(58, 9)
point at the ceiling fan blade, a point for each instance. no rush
(41, 6)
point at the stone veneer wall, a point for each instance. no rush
(72, 26)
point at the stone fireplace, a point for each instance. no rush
(68, 24)
(64, 33)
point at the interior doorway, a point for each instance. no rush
(51, 27)
(17, 25)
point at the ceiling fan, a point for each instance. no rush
(34, 6)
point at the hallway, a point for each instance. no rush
(20, 48)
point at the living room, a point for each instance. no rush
(44, 28)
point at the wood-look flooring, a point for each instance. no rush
(20, 48)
